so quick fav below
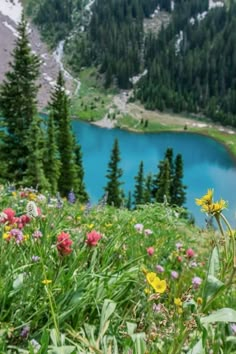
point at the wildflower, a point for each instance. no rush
(178, 302)
(147, 291)
(25, 332)
(148, 232)
(193, 265)
(199, 300)
(139, 227)
(179, 259)
(150, 251)
(156, 308)
(190, 253)
(90, 226)
(64, 244)
(92, 238)
(207, 199)
(17, 234)
(35, 259)
(46, 281)
(174, 274)
(210, 207)
(37, 234)
(71, 197)
(31, 209)
(233, 328)
(159, 268)
(196, 282)
(158, 285)
(179, 245)
(36, 346)
(9, 215)
(32, 196)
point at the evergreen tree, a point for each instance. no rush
(147, 195)
(18, 100)
(114, 173)
(79, 188)
(34, 175)
(129, 201)
(59, 106)
(139, 186)
(178, 195)
(169, 157)
(163, 182)
(53, 164)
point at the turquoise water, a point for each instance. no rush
(207, 164)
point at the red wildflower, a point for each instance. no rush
(190, 253)
(10, 215)
(92, 238)
(64, 244)
(150, 251)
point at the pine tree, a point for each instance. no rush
(147, 195)
(169, 157)
(79, 186)
(163, 182)
(18, 102)
(178, 195)
(34, 175)
(114, 173)
(53, 163)
(59, 106)
(139, 186)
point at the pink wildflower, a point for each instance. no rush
(190, 253)
(64, 244)
(92, 238)
(196, 281)
(10, 215)
(150, 251)
(174, 274)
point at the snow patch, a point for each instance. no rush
(12, 9)
(213, 4)
(135, 79)
(179, 39)
(11, 28)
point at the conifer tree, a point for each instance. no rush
(53, 163)
(162, 182)
(34, 175)
(18, 99)
(114, 173)
(139, 186)
(178, 195)
(147, 195)
(79, 187)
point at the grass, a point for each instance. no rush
(93, 100)
(82, 279)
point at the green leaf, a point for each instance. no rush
(139, 341)
(18, 282)
(197, 349)
(213, 285)
(66, 349)
(222, 315)
(214, 266)
(131, 328)
(107, 310)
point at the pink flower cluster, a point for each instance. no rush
(9, 217)
(92, 238)
(64, 244)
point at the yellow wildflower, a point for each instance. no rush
(7, 228)
(206, 199)
(14, 194)
(151, 276)
(32, 196)
(199, 300)
(147, 291)
(108, 225)
(179, 310)
(26, 237)
(6, 235)
(178, 302)
(159, 285)
(90, 226)
(46, 281)
(82, 208)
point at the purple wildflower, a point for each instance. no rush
(37, 234)
(233, 328)
(71, 197)
(25, 332)
(36, 346)
(178, 245)
(156, 308)
(174, 274)
(148, 232)
(196, 281)
(139, 227)
(159, 268)
(17, 234)
(35, 259)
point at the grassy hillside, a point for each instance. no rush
(83, 279)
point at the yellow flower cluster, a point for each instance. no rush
(208, 205)
(158, 285)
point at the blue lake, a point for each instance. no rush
(207, 164)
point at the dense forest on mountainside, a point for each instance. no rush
(192, 64)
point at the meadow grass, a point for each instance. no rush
(94, 279)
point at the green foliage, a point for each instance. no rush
(114, 173)
(139, 188)
(18, 94)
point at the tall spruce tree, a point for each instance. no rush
(178, 195)
(79, 185)
(53, 163)
(18, 104)
(147, 196)
(34, 175)
(113, 189)
(163, 182)
(139, 186)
